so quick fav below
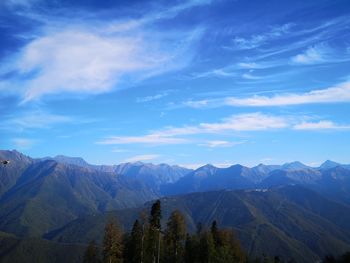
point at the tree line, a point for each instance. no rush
(149, 243)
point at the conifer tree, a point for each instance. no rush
(91, 253)
(112, 244)
(191, 249)
(152, 254)
(206, 247)
(215, 233)
(174, 238)
(134, 244)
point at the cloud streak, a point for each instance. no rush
(257, 40)
(23, 143)
(335, 94)
(313, 55)
(36, 120)
(320, 125)
(249, 122)
(140, 158)
(179, 135)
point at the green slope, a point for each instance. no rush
(270, 222)
(34, 250)
(49, 195)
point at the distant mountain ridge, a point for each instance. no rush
(263, 168)
(29, 186)
(155, 174)
(301, 210)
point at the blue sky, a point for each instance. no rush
(181, 82)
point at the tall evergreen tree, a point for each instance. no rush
(215, 233)
(112, 244)
(152, 254)
(191, 249)
(91, 253)
(206, 247)
(134, 245)
(228, 248)
(174, 238)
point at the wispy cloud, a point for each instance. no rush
(140, 158)
(250, 76)
(71, 56)
(219, 72)
(257, 40)
(246, 122)
(249, 122)
(175, 135)
(152, 139)
(16, 3)
(153, 97)
(336, 94)
(23, 143)
(35, 119)
(320, 125)
(314, 54)
(64, 64)
(220, 144)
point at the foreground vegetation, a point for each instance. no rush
(148, 242)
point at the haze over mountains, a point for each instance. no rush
(302, 210)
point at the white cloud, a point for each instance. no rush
(171, 135)
(312, 55)
(152, 139)
(140, 158)
(339, 93)
(320, 125)
(248, 65)
(152, 98)
(36, 119)
(246, 122)
(81, 61)
(335, 94)
(23, 143)
(198, 103)
(255, 41)
(250, 76)
(71, 56)
(219, 144)
(16, 3)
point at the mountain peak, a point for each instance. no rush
(294, 166)
(329, 164)
(207, 169)
(71, 160)
(207, 166)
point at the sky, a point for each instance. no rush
(178, 82)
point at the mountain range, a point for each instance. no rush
(61, 200)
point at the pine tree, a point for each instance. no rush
(215, 233)
(206, 247)
(134, 244)
(91, 253)
(152, 254)
(112, 244)
(191, 249)
(174, 237)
